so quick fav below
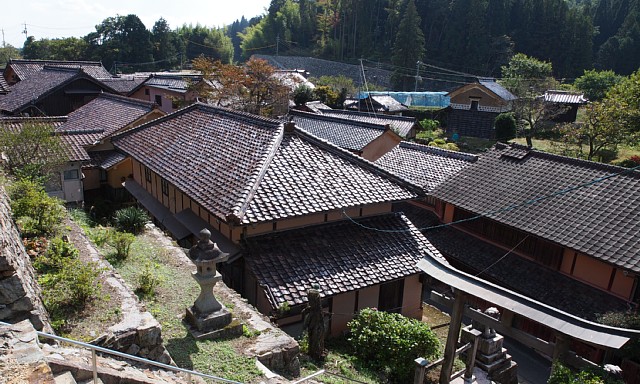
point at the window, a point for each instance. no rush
(146, 91)
(147, 174)
(474, 105)
(71, 174)
(390, 297)
(159, 100)
(103, 176)
(165, 187)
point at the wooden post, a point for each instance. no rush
(421, 363)
(471, 356)
(452, 338)
(560, 349)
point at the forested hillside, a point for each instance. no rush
(471, 36)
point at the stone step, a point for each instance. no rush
(64, 378)
(488, 359)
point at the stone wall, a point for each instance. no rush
(20, 295)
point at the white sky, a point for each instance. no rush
(66, 18)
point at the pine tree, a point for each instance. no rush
(408, 48)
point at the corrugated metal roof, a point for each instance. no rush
(564, 97)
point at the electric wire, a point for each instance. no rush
(500, 210)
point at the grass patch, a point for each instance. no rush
(624, 151)
(342, 364)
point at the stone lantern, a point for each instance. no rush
(207, 314)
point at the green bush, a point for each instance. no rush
(130, 219)
(302, 94)
(429, 124)
(148, 281)
(122, 241)
(505, 124)
(391, 342)
(36, 213)
(54, 257)
(69, 289)
(99, 235)
(560, 374)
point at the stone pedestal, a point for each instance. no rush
(208, 318)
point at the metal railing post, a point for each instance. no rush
(94, 364)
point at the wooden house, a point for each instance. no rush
(474, 107)
(365, 139)
(54, 91)
(561, 232)
(86, 134)
(289, 207)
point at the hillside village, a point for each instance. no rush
(352, 203)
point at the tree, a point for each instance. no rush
(167, 46)
(120, 41)
(302, 95)
(408, 48)
(206, 42)
(505, 125)
(599, 132)
(528, 78)
(33, 152)
(252, 88)
(595, 84)
(70, 48)
(624, 101)
(8, 52)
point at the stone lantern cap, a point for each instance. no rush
(206, 254)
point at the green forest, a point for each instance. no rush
(469, 36)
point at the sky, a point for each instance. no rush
(67, 18)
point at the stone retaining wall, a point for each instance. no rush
(20, 295)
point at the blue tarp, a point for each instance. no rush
(416, 99)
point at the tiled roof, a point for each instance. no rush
(107, 113)
(400, 124)
(564, 97)
(378, 103)
(423, 165)
(123, 85)
(214, 155)
(39, 84)
(348, 134)
(320, 67)
(389, 103)
(513, 272)
(339, 257)
(73, 144)
(496, 88)
(106, 159)
(24, 68)
(600, 219)
(177, 83)
(243, 168)
(317, 106)
(76, 142)
(15, 124)
(4, 87)
(308, 175)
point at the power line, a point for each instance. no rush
(500, 210)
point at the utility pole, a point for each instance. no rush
(3, 44)
(415, 88)
(277, 44)
(25, 30)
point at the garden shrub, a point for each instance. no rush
(53, 258)
(36, 213)
(122, 241)
(130, 219)
(505, 124)
(148, 281)
(391, 342)
(592, 375)
(429, 124)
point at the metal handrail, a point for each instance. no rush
(95, 348)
